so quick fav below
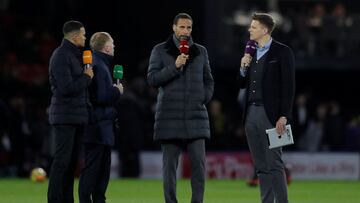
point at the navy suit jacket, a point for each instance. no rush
(103, 97)
(278, 82)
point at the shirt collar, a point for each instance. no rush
(266, 46)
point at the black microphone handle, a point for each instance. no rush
(87, 66)
(118, 81)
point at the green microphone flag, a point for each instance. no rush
(118, 73)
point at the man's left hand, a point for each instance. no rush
(280, 125)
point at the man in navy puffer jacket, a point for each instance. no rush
(68, 112)
(99, 134)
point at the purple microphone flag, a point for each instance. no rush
(250, 47)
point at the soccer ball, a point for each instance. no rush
(38, 175)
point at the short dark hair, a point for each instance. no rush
(71, 26)
(265, 19)
(182, 16)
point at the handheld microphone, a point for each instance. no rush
(87, 59)
(250, 49)
(184, 45)
(118, 73)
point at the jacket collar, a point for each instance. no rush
(272, 50)
(104, 57)
(177, 41)
(67, 44)
(173, 50)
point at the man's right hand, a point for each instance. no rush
(120, 87)
(89, 72)
(181, 60)
(246, 60)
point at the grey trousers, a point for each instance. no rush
(268, 163)
(171, 151)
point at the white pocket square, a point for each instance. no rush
(273, 61)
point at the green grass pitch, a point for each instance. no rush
(216, 191)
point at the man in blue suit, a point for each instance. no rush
(99, 134)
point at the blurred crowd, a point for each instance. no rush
(320, 32)
(322, 29)
(26, 137)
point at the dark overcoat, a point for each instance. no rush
(183, 93)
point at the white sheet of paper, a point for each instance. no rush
(275, 140)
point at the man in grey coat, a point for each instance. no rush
(185, 85)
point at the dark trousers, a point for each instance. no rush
(61, 180)
(95, 175)
(171, 151)
(268, 163)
